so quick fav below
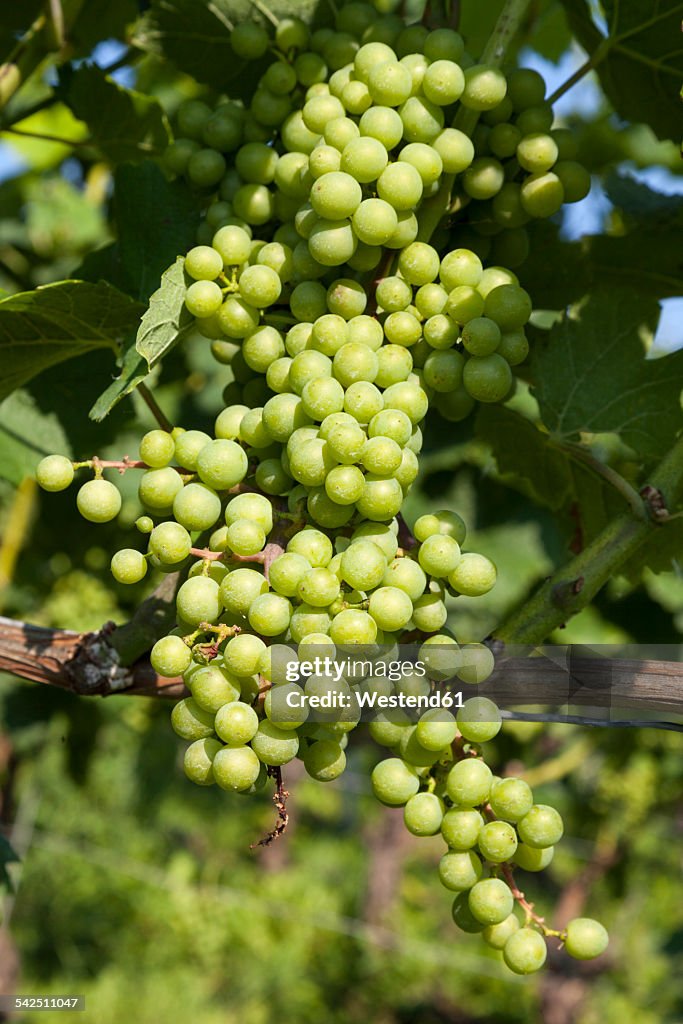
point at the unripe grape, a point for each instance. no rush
(541, 826)
(269, 614)
(423, 814)
(158, 488)
(324, 760)
(394, 782)
(460, 870)
(463, 916)
(203, 263)
(487, 378)
(205, 168)
(54, 473)
(469, 782)
(525, 951)
(170, 656)
(191, 722)
(170, 542)
(198, 600)
(249, 40)
(485, 87)
(497, 841)
(585, 938)
(400, 185)
(496, 935)
(530, 859)
(275, 746)
(491, 901)
(128, 566)
(473, 576)
(479, 719)
(245, 537)
(461, 825)
(198, 761)
(542, 195)
(221, 464)
(98, 501)
(242, 654)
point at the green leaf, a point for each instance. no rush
(640, 63)
(44, 327)
(167, 320)
(195, 35)
(101, 19)
(592, 375)
(133, 372)
(642, 203)
(156, 221)
(123, 124)
(49, 415)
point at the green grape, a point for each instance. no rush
(575, 180)
(530, 859)
(383, 536)
(442, 371)
(487, 378)
(99, 501)
(322, 111)
(440, 331)
(237, 318)
(485, 87)
(476, 663)
(323, 160)
(492, 277)
(391, 423)
(242, 654)
(473, 576)
(320, 398)
(335, 196)
(393, 294)
(585, 938)
(497, 841)
(542, 195)
(381, 498)
(271, 478)
(436, 730)
(537, 152)
(423, 814)
(188, 445)
(260, 286)
(269, 614)
(347, 298)
(145, 524)
(344, 484)
(431, 300)
(313, 545)
(332, 242)
(419, 263)
(306, 619)
(455, 150)
(249, 40)
(198, 601)
(429, 613)
(250, 506)
(511, 799)
(245, 537)
(227, 425)
(409, 398)
(324, 760)
(526, 88)
(170, 542)
(406, 230)
(363, 565)
(496, 935)
(240, 588)
(236, 768)
(541, 826)
(460, 267)
(256, 163)
(212, 688)
(203, 263)
(461, 826)
(391, 608)
(274, 746)
(394, 365)
(157, 448)
(490, 900)
(177, 156)
(277, 375)
(198, 761)
(205, 168)
(191, 722)
(400, 185)
(469, 782)
(253, 431)
(170, 656)
(439, 554)
(351, 626)
(394, 782)
(484, 178)
(443, 82)
(525, 951)
(364, 159)
(460, 870)
(318, 587)
(221, 464)
(128, 566)
(54, 473)
(196, 507)
(381, 455)
(463, 916)
(479, 720)
(509, 306)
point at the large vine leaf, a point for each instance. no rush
(166, 321)
(41, 328)
(195, 35)
(123, 124)
(640, 62)
(592, 374)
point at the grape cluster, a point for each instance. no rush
(489, 824)
(316, 280)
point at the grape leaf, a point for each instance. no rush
(166, 321)
(133, 371)
(195, 35)
(640, 62)
(123, 124)
(592, 375)
(642, 203)
(44, 327)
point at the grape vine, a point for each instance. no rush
(363, 218)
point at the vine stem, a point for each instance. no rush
(590, 65)
(153, 406)
(573, 586)
(511, 17)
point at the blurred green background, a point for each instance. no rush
(139, 890)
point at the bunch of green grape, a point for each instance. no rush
(344, 319)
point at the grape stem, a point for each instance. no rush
(530, 914)
(153, 406)
(280, 800)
